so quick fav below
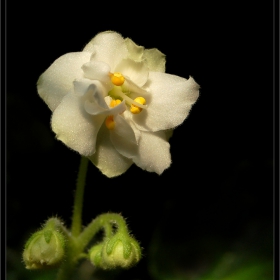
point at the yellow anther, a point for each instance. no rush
(117, 78)
(135, 109)
(115, 102)
(109, 122)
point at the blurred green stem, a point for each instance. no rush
(78, 203)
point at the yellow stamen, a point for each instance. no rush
(109, 122)
(117, 78)
(135, 109)
(115, 102)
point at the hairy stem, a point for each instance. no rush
(78, 202)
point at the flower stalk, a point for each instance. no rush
(78, 202)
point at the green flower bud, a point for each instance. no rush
(45, 248)
(120, 251)
(95, 255)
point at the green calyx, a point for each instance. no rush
(121, 250)
(95, 255)
(45, 248)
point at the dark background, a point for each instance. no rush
(217, 196)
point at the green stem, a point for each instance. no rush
(74, 250)
(69, 265)
(78, 202)
(100, 222)
(77, 241)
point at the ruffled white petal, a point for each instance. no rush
(98, 70)
(169, 104)
(155, 60)
(137, 132)
(83, 87)
(94, 98)
(124, 130)
(110, 162)
(58, 79)
(123, 138)
(135, 52)
(108, 47)
(74, 126)
(137, 72)
(153, 152)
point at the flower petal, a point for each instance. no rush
(123, 138)
(57, 80)
(169, 103)
(153, 152)
(137, 72)
(93, 108)
(124, 130)
(98, 70)
(108, 47)
(135, 52)
(92, 93)
(137, 133)
(93, 97)
(83, 86)
(155, 60)
(110, 162)
(74, 126)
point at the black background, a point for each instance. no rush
(219, 187)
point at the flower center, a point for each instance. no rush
(109, 122)
(115, 102)
(134, 109)
(136, 105)
(117, 78)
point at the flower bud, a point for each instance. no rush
(45, 248)
(95, 254)
(120, 251)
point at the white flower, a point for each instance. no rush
(113, 103)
